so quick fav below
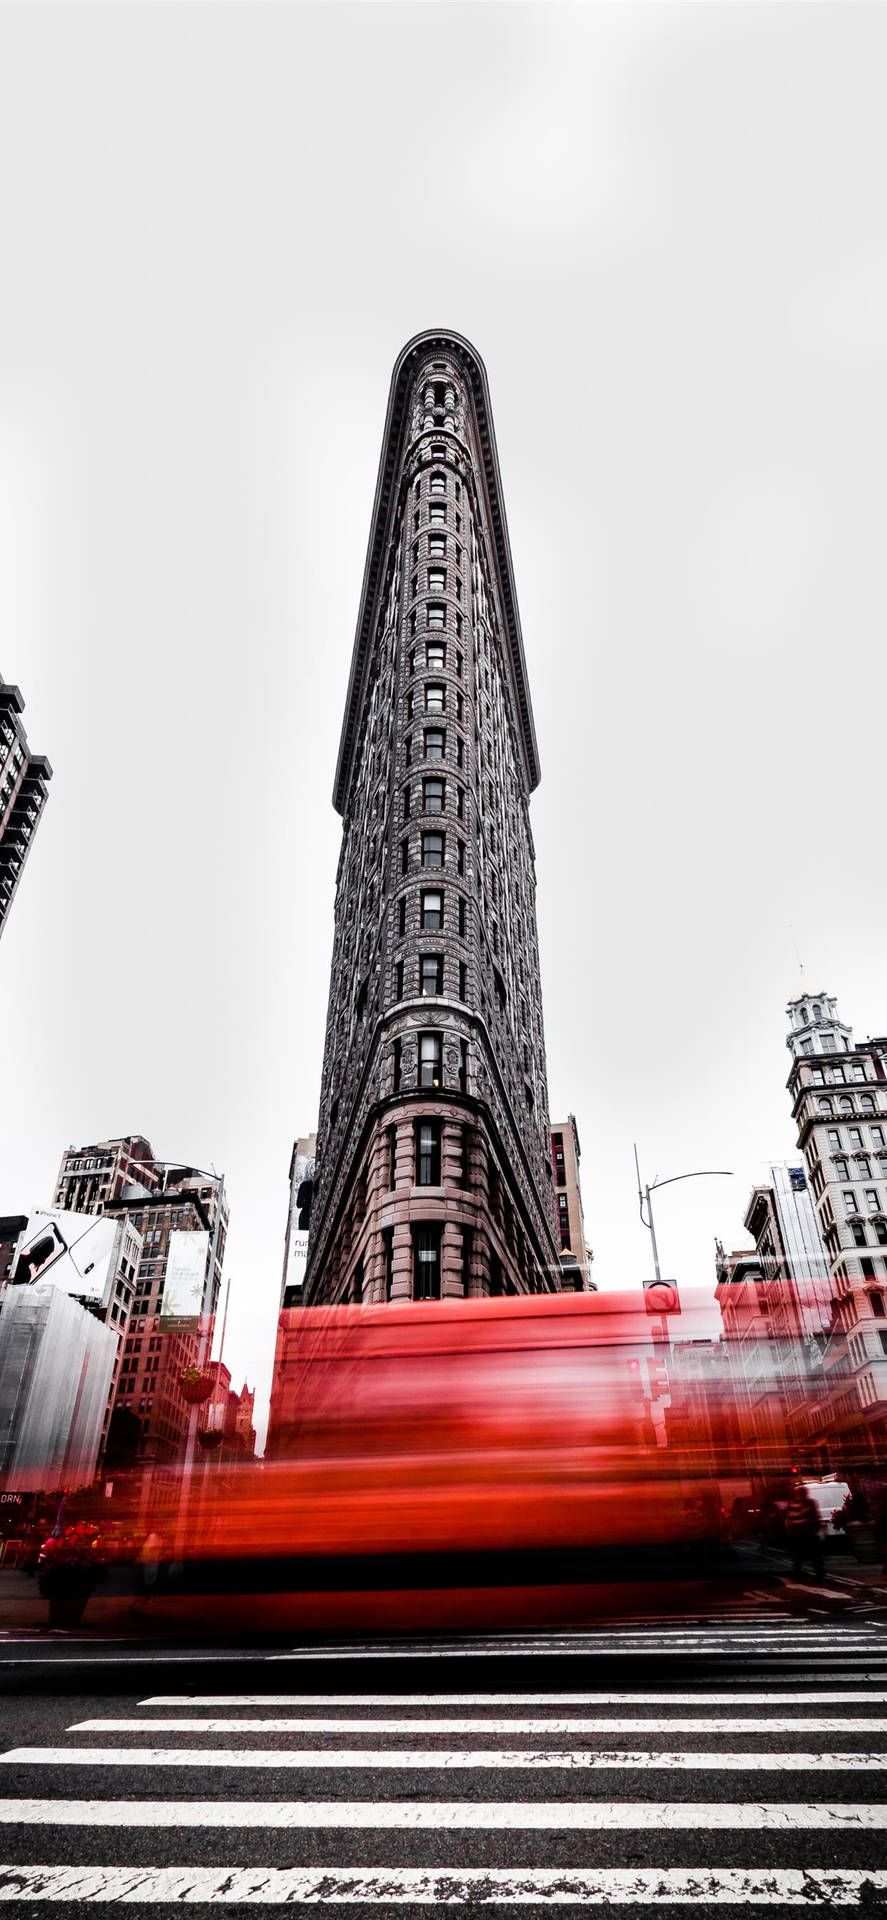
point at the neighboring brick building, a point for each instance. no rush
(576, 1257)
(24, 779)
(434, 1173)
(90, 1177)
(123, 1179)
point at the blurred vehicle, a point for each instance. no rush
(829, 1496)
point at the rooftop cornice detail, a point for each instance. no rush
(464, 355)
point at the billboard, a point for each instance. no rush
(185, 1279)
(76, 1251)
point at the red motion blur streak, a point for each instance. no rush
(527, 1422)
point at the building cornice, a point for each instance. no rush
(384, 505)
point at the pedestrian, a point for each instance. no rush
(150, 1556)
(802, 1525)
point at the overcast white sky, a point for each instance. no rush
(663, 228)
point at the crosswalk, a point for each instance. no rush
(479, 1797)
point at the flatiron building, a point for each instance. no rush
(434, 1175)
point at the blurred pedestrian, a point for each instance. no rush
(802, 1524)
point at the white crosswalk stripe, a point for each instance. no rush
(349, 1821)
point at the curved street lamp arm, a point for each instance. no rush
(704, 1173)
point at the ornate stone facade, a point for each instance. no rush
(434, 1168)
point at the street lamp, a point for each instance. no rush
(703, 1173)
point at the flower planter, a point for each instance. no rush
(196, 1386)
(209, 1438)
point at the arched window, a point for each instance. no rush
(825, 1105)
(867, 1103)
(817, 1010)
(845, 1104)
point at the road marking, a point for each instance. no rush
(800, 1724)
(783, 1656)
(817, 1699)
(450, 1886)
(396, 1759)
(675, 1816)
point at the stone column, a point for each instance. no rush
(451, 1287)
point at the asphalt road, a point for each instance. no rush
(738, 1761)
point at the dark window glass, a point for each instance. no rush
(398, 980)
(433, 795)
(397, 1066)
(463, 981)
(461, 856)
(430, 1060)
(462, 915)
(432, 912)
(401, 916)
(406, 803)
(431, 974)
(432, 849)
(463, 1066)
(388, 1244)
(435, 743)
(404, 855)
(460, 753)
(428, 1153)
(426, 1263)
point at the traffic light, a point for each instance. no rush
(661, 1296)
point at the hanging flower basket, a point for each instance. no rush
(210, 1438)
(196, 1385)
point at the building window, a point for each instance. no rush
(858, 1231)
(437, 580)
(437, 483)
(437, 547)
(463, 981)
(863, 1167)
(406, 803)
(877, 1299)
(871, 1200)
(430, 1052)
(841, 1170)
(460, 707)
(435, 743)
(460, 752)
(845, 1104)
(388, 1245)
(858, 1070)
(436, 616)
(462, 915)
(431, 975)
(881, 1232)
(825, 1105)
(432, 912)
(437, 515)
(460, 803)
(436, 655)
(849, 1199)
(428, 1153)
(391, 1138)
(433, 795)
(426, 1263)
(402, 916)
(432, 849)
(463, 1066)
(467, 1250)
(435, 699)
(460, 856)
(397, 1066)
(834, 1138)
(404, 855)
(866, 1103)
(877, 1136)
(398, 980)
